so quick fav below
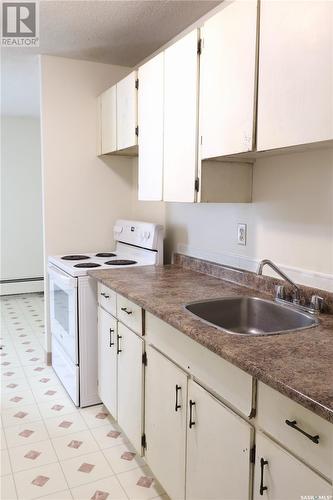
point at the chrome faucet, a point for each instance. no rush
(316, 304)
(271, 264)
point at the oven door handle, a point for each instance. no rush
(60, 277)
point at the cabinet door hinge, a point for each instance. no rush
(136, 130)
(253, 454)
(137, 83)
(144, 358)
(199, 47)
(143, 441)
(196, 184)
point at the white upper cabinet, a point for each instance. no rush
(117, 114)
(180, 119)
(127, 112)
(228, 80)
(108, 120)
(295, 93)
(150, 119)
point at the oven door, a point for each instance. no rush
(63, 311)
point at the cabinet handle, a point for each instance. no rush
(104, 295)
(262, 465)
(293, 424)
(127, 311)
(118, 344)
(111, 332)
(177, 405)
(191, 422)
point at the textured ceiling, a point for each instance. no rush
(116, 32)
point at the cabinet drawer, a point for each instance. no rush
(218, 375)
(273, 411)
(107, 298)
(129, 313)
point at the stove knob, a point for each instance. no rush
(147, 235)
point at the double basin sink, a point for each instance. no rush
(251, 316)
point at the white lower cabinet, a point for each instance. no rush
(165, 422)
(185, 424)
(107, 360)
(120, 375)
(197, 447)
(280, 476)
(218, 449)
(130, 384)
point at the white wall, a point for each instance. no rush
(147, 211)
(290, 220)
(83, 195)
(21, 201)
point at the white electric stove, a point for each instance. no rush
(73, 303)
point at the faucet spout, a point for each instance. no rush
(267, 262)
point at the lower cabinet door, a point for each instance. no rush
(218, 449)
(165, 422)
(107, 360)
(280, 476)
(130, 384)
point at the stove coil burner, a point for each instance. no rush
(120, 262)
(105, 254)
(87, 264)
(75, 257)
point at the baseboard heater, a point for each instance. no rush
(21, 285)
(22, 280)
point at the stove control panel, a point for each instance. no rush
(141, 234)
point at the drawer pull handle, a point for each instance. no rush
(262, 465)
(111, 332)
(191, 421)
(293, 424)
(105, 296)
(127, 311)
(118, 344)
(177, 405)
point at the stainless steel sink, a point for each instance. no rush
(251, 316)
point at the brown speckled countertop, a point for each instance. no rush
(297, 364)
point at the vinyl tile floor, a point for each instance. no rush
(49, 448)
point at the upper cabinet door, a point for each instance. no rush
(180, 119)
(150, 116)
(295, 93)
(108, 113)
(228, 80)
(218, 449)
(127, 112)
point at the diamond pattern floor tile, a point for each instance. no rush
(86, 469)
(51, 449)
(40, 481)
(32, 455)
(103, 489)
(74, 445)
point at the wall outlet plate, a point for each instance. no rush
(241, 234)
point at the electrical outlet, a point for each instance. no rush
(241, 234)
